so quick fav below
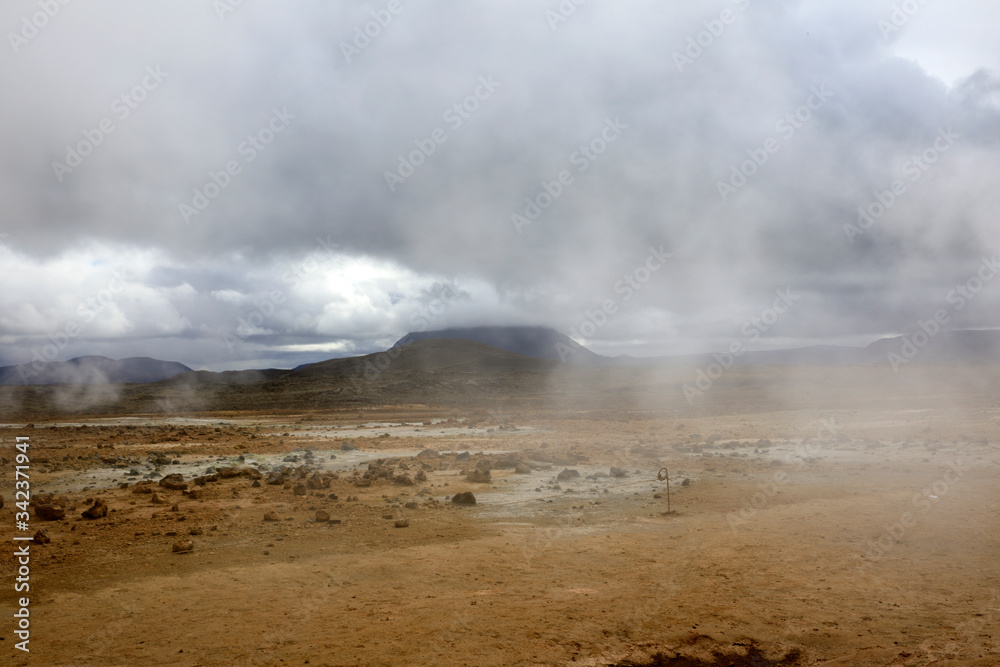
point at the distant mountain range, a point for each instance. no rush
(543, 343)
(509, 348)
(92, 369)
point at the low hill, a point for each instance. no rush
(92, 369)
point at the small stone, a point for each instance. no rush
(175, 508)
(271, 515)
(48, 512)
(96, 511)
(256, 483)
(300, 490)
(411, 505)
(402, 523)
(479, 476)
(618, 472)
(464, 498)
(195, 531)
(174, 482)
(41, 537)
(157, 499)
(568, 474)
(686, 482)
(194, 494)
(522, 468)
(183, 547)
(322, 515)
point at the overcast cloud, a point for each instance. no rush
(287, 122)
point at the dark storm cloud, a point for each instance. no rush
(241, 146)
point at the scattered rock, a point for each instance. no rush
(183, 547)
(618, 472)
(363, 482)
(429, 454)
(300, 489)
(256, 483)
(194, 494)
(175, 508)
(142, 487)
(479, 476)
(157, 499)
(195, 531)
(568, 474)
(318, 481)
(174, 482)
(411, 505)
(48, 512)
(41, 537)
(322, 515)
(464, 456)
(271, 515)
(522, 468)
(686, 482)
(348, 448)
(421, 476)
(402, 523)
(464, 498)
(403, 480)
(98, 510)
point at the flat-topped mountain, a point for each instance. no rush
(536, 342)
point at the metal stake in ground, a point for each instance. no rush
(664, 474)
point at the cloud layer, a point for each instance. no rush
(352, 171)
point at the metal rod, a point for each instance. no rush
(664, 474)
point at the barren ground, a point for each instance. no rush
(804, 537)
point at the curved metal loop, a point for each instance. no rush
(663, 475)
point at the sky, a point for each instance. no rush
(244, 184)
